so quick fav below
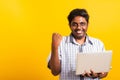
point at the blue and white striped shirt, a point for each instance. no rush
(67, 55)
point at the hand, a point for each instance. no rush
(56, 39)
(91, 74)
(102, 74)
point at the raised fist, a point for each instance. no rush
(56, 39)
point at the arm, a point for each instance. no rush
(54, 63)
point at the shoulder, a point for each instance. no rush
(97, 43)
(95, 40)
(65, 39)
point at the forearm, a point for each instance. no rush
(55, 62)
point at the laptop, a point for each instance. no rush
(97, 62)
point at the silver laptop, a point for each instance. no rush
(97, 62)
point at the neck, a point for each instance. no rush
(81, 40)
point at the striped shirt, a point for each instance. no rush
(67, 54)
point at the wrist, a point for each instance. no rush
(54, 47)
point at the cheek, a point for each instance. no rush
(72, 28)
(85, 28)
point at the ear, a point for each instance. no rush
(87, 23)
(69, 25)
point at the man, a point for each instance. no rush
(64, 49)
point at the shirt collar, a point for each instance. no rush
(71, 39)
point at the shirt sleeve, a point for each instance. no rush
(102, 46)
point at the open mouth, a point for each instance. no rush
(79, 32)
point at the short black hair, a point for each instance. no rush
(78, 12)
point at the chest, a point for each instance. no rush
(73, 48)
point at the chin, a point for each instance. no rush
(78, 37)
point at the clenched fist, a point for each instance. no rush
(56, 39)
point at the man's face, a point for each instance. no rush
(79, 27)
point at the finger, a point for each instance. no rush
(93, 73)
(102, 73)
(56, 35)
(59, 36)
(83, 74)
(87, 74)
(56, 39)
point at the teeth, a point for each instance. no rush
(79, 31)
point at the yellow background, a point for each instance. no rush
(26, 27)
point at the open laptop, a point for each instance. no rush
(97, 62)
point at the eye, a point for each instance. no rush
(82, 23)
(74, 24)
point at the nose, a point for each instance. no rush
(79, 26)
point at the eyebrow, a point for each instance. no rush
(79, 22)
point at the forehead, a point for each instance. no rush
(79, 19)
